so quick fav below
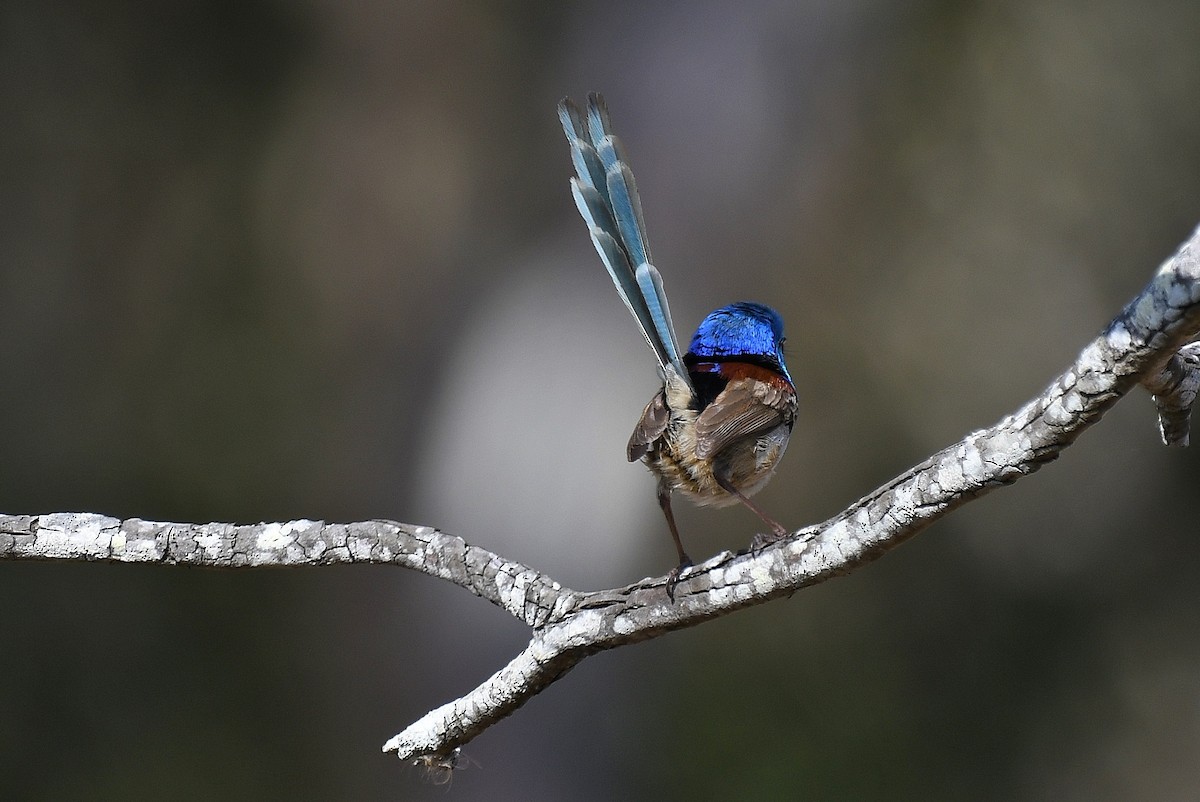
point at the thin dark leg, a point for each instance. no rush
(777, 529)
(664, 501)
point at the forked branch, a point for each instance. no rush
(1147, 343)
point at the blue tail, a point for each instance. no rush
(607, 198)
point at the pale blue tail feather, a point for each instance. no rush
(590, 190)
(606, 195)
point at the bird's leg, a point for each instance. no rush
(685, 562)
(778, 531)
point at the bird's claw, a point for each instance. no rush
(764, 539)
(674, 577)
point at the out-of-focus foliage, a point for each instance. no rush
(263, 261)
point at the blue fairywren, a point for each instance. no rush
(720, 423)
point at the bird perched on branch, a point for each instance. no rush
(717, 428)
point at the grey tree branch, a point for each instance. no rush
(1175, 386)
(513, 587)
(1147, 343)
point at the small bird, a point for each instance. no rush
(720, 423)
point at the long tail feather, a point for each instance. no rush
(607, 198)
(595, 213)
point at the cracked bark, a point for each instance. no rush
(1147, 343)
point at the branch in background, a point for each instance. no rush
(1147, 344)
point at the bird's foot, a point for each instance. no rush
(764, 539)
(675, 575)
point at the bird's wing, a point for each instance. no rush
(746, 407)
(649, 427)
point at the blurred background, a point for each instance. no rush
(266, 260)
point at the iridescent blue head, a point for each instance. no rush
(744, 330)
